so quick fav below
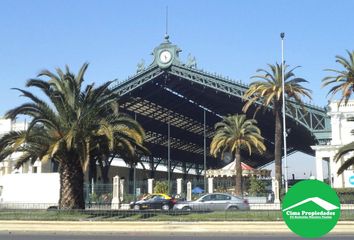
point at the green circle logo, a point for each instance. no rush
(311, 208)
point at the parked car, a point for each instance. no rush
(214, 202)
(154, 201)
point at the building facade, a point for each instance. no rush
(326, 167)
(118, 167)
(7, 165)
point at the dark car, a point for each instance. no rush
(154, 201)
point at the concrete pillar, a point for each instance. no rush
(184, 170)
(131, 181)
(152, 167)
(210, 185)
(336, 129)
(121, 188)
(150, 185)
(179, 186)
(8, 167)
(92, 186)
(116, 192)
(338, 180)
(189, 191)
(329, 167)
(275, 188)
(26, 167)
(319, 168)
(197, 171)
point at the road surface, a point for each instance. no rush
(139, 236)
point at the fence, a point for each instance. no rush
(98, 198)
(258, 212)
(262, 193)
(101, 194)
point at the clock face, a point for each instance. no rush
(165, 56)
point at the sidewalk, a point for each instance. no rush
(158, 227)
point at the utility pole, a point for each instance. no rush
(282, 35)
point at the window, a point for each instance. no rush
(34, 169)
(211, 197)
(55, 166)
(222, 197)
(158, 198)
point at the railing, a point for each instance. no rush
(101, 194)
(258, 212)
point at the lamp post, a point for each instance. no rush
(169, 156)
(282, 35)
(204, 150)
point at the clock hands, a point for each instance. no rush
(165, 56)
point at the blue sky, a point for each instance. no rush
(232, 38)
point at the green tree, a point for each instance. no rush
(233, 134)
(161, 187)
(342, 152)
(126, 138)
(256, 186)
(268, 91)
(66, 129)
(344, 79)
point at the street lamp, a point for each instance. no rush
(282, 35)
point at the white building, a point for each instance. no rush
(118, 167)
(38, 184)
(326, 168)
(299, 166)
(7, 166)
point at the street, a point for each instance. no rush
(139, 236)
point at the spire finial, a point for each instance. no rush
(166, 20)
(166, 32)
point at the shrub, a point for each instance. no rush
(161, 187)
(256, 187)
(346, 195)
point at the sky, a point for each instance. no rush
(231, 38)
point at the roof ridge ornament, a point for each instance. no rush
(140, 66)
(191, 62)
(167, 37)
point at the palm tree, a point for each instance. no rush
(342, 152)
(268, 92)
(127, 137)
(66, 129)
(344, 78)
(345, 84)
(233, 134)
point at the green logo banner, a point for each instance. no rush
(311, 208)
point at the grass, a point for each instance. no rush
(43, 215)
(212, 216)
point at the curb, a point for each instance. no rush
(158, 227)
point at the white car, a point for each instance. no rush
(214, 202)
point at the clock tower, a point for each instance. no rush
(166, 53)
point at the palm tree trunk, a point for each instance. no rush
(105, 171)
(104, 164)
(71, 183)
(278, 146)
(238, 169)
